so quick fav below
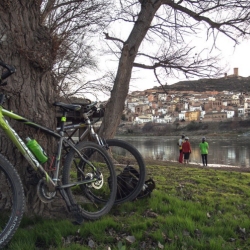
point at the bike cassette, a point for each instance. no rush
(97, 184)
(43, 192)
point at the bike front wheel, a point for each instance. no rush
(128, 161)
(95, 198)
(11, 201)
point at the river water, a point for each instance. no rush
(222, 151)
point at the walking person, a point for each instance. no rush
(204, 150)
(186, 148)
(180, 141)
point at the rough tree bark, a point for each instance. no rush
(30, 91)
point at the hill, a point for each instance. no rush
(230, 83)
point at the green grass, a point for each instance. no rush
(191, 208)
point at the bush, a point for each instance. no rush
(148, 127)
(204, 126)
(244, 124)
(193, 126)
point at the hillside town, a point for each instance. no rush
(158, 106)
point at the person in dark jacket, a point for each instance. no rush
(186, 149)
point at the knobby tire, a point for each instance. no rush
(12, 201)
(124, 155)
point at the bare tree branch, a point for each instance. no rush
(161, 40)
(71, 24)
(112, 38)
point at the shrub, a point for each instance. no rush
(244, 123)
(148, 127)
(193, 126)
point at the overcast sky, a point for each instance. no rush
(232, 57)
(238, 57)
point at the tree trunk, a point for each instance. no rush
(115, 106)
(31, 90)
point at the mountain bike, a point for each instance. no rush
(86, 182)
(127, 160)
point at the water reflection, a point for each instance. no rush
(231, 151)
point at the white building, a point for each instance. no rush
(241, 112)
(143, 119)
(131, 106)
(168, 118)
(182, 115)
(230, 113)
(163, 110)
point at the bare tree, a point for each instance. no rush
(90, 89)
(174, 22)
(46, 40)
(74, 25)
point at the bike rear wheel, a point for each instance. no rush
(11, 201)
(96, 198)
(126, 156)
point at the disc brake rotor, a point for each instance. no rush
(97, 184)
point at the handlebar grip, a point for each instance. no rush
(88, 107)
(6, 74)
(10, 70)
(2, 64)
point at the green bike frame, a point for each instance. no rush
(21, 146)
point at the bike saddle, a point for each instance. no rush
(66, 106)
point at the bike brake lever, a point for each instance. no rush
(2, 99)
(89, 113)
(3, 83)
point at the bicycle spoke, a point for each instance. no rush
(97, 197)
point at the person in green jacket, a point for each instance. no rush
(204, 150)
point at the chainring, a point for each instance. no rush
(43, 193)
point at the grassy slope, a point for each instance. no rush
(192, 208)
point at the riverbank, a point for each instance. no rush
(199, 165)
(223, 128)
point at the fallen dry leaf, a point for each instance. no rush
(130, 239)
(160, 245)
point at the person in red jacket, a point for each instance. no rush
(180, 141)
(186, 149)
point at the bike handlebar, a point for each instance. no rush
(90, 106)
(91, 109)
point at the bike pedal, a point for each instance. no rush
(79, 220)
(74, 208)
